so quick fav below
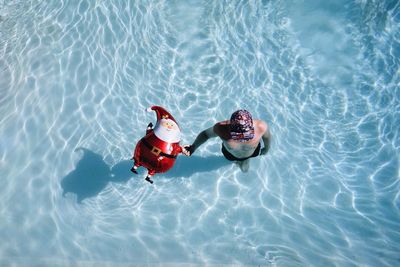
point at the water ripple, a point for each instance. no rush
(76, 77)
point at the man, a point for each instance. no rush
(240, 138)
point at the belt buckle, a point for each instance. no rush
(156, 151)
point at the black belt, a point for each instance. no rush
(156, 151)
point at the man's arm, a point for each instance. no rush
(200, 139)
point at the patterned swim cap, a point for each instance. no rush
(241, 126)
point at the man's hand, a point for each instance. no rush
(188, 150)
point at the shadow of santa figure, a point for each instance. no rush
(158, 149)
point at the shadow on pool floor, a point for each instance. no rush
(92, 174)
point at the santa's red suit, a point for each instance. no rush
(157, 151)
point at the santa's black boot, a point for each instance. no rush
(148, 179)
(134, 168)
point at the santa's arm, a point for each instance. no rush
(149, 128)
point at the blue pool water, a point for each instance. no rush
(77, 76)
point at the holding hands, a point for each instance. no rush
(188, 150)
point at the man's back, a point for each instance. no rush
(237, 148)
(240, 137)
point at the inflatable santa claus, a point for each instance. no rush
(157, 151)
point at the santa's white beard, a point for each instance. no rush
(167, 135)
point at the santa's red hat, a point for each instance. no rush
(161, 113)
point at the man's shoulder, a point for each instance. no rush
(261, 125)
(222, 123)
(221, 126)
(222, 129)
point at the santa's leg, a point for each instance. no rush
(134, 168)
(149, 175)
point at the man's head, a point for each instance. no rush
(241, 126)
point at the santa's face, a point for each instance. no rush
(168, 131)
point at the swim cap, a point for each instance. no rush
(241, 126)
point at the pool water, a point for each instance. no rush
(77, 76)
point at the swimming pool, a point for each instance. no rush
(77, 76)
